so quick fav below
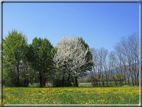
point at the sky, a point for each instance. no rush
(99, 24)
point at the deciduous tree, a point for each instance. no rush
(14, 50)
(39, 57)
(70, 57)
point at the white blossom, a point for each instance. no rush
(70, 52)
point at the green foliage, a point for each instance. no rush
(40, 58)
(24, 82)
(14, 50)
(57, 82)
(55, 70)
(88, 56)
(88, 79)
(121, 76)
(9, 78)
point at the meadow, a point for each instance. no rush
(71, 95)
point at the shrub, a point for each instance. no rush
(24, 82)
(57, 82)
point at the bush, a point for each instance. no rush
(9, 81)
(57, 82)
(9, 78)
(23, 82)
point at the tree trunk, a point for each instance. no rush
(73, 81)
(40, 78)
(43, 83)
(115, 81)
(40, 82)
(121, 82)
(107, 82)
(125, 76)
(135, 80)
(111, 82)
(103, 80)
(138, 78)
(99, 81)
(76, 82)
(128, 81)
(63, 82)
(94, 83)
(125, 81)
(68, 81)
(18, 72)
(31, 81)
(132, 81)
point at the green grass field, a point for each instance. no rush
(71, 95)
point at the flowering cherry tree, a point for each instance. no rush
(70, 57)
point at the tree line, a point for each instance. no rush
(117, 67)
(39, 61)
(62, 65)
